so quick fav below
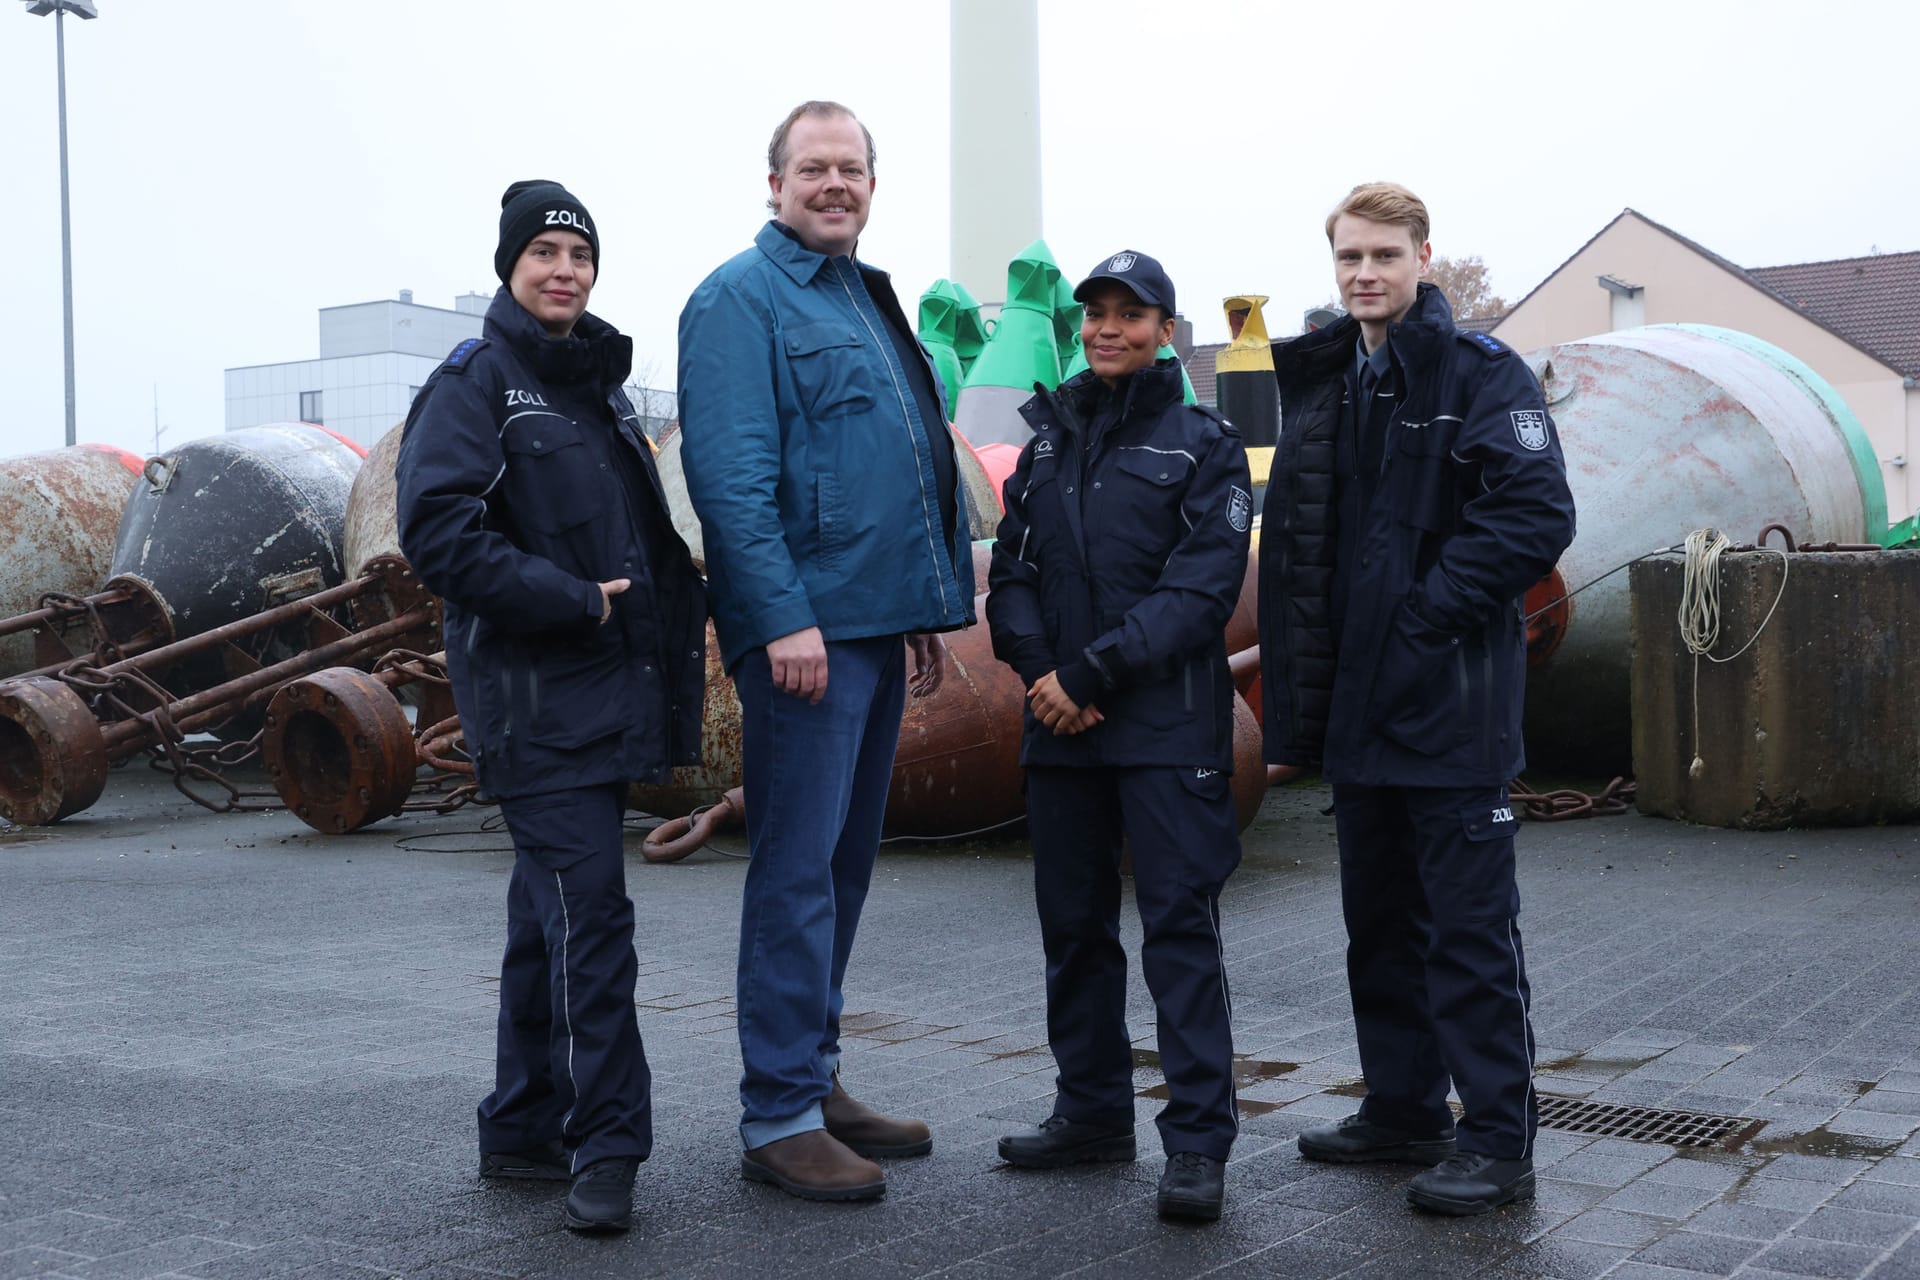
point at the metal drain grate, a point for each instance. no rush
(1639, 1124)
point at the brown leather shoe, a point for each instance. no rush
(814, 1166)
(868, 1133)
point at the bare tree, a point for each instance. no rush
(1464, 281)
(657, 408)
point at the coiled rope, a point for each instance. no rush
(1700, 614)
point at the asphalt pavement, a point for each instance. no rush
(233, 1047)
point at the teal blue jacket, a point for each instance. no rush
(806, 457)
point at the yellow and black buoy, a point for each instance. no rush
(1244, 386)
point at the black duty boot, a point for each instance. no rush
(602, 1196)
(1468, 1182)
(1193, 1186)
(544, 1163)
(1353, 1140)
(1058, 1141)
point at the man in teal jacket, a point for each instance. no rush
(819, 462)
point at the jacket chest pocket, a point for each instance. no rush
(1143, 508)
(1423, 479)
(553, 482)
(830, 371)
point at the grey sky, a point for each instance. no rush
(238, 164)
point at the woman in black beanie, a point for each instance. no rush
(575, 627)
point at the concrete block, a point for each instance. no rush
(1814, 725)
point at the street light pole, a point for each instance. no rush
(59, 8)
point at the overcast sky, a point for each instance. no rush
(239, 164)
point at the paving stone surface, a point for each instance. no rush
(231, 1047)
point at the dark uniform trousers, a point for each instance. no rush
(1438, 978)
(569, 1063)
(1179, 824)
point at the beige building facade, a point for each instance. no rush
(1855, 321)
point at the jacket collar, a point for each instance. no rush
(1415, 339)
(783, 247)
(595, 352)
(1147, 393)
(779, 243)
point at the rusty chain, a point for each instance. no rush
(1568, 802)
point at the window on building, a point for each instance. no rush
(311, 409)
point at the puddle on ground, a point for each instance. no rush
(1815, 1142)
(1824, 1142)
(1246, 1071)
(1578, 1062)
(1245, 1106)
(1347, 1089)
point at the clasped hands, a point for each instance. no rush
(1054, 709)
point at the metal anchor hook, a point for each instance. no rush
(164, 466)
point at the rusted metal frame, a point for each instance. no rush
(61, 613)
(108, 681)
(167, 724)
(265, 620)
(57, 607)
(197, 711)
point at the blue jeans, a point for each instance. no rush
(816, 783)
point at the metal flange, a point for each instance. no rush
(339, 749)
(53, 761)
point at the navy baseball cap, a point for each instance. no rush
(1138, 272)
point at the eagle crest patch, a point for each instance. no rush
(1530, 425)
(1239, 508)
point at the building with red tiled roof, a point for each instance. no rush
(1200, 372)
(1873, 302)
(1855, 321)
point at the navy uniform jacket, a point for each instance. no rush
(524, 483)
(1118, 566)
(1471, 507)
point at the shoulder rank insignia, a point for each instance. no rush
(1489, 345)
(456, 361)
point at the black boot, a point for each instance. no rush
(1058, 1141)
(1468, 1182)
(1193, 1186)
(1354, 1140)
(602, 1196)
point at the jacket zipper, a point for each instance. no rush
(1486, 697)
(906, 422)
(473, 637)
(1466, 695)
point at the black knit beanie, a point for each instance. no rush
(531, 207)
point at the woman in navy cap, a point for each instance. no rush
(1118, 563)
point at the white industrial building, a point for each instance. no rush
(374, 356)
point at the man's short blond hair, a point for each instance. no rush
(1387, 202)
